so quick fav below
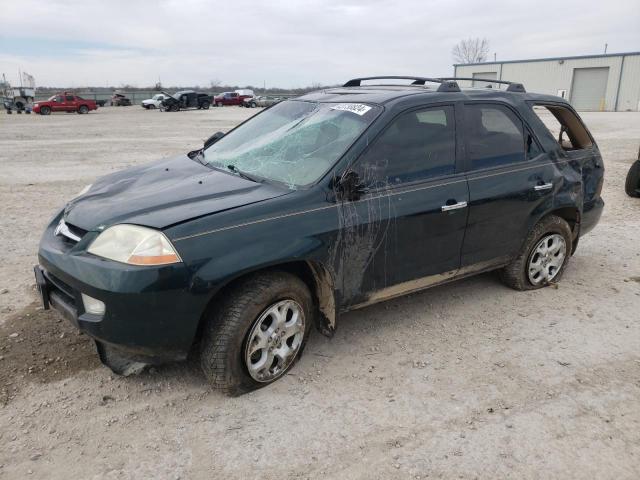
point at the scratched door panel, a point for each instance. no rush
(397, 236)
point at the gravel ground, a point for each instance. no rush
(467, 380)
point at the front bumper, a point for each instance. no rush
(150, 311)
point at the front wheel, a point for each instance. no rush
(543, 257)
(256, 333)
(632, 184)
(205, 105)
(45, 110)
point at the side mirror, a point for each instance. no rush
(213, 139)
(349, 186)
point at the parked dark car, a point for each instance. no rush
(119, 100)
(632, 183)
(316, 206)
(186, 99)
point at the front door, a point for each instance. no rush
(58, 104)
(407, 229)
(511, 180)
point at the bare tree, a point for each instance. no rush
(213, 84)
(472, 50)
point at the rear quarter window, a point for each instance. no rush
(564, 125)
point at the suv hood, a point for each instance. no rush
(164, 193)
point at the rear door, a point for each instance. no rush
(407, 229)
(510, 180)
(70, 104)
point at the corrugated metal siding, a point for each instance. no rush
(629, 98)
(549, 76)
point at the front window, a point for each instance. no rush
(294, 142)
(417, 146)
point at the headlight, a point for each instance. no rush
(134, 245)
(36, 104)
(84, 190)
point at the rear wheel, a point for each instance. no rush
(83, 109)
(45, 110)
(257, 332)
(543, 257)
(632, 184)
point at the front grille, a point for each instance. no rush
(77, 231)
(68, 233)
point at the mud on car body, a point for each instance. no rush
(316, 206)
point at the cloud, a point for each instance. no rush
(284, 43)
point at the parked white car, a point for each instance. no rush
(154, 102)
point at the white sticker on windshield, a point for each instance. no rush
(357, 108)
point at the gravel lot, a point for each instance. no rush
(468, 380)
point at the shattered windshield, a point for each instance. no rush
(294, 142)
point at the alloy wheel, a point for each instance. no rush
(546, 259)
(274, 340)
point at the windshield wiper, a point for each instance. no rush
(246, 176)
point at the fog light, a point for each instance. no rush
(92, 305)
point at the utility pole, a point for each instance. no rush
(605, 48)
(494, 57)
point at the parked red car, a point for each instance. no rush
(227, 98)
(65, 102)
(232, 98)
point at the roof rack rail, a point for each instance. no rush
(446, 84)
(513, 86)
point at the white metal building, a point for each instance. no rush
(609, 82)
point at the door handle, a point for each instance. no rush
(544, 186)
(455, 206)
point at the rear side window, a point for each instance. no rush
(417, 145)
(494, 136)
(69, 98)
(565, 126)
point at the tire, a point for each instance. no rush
(45, 110)
(552, 229)
(632, 184)
(205, 105)
(240, 314)
(253, 105)
(83, 109)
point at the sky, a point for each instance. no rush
(76, 43)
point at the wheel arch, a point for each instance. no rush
(314, 274)
(571, 214)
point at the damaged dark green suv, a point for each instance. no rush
(316, 206)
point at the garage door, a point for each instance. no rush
(487, 75)
(589, 88)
